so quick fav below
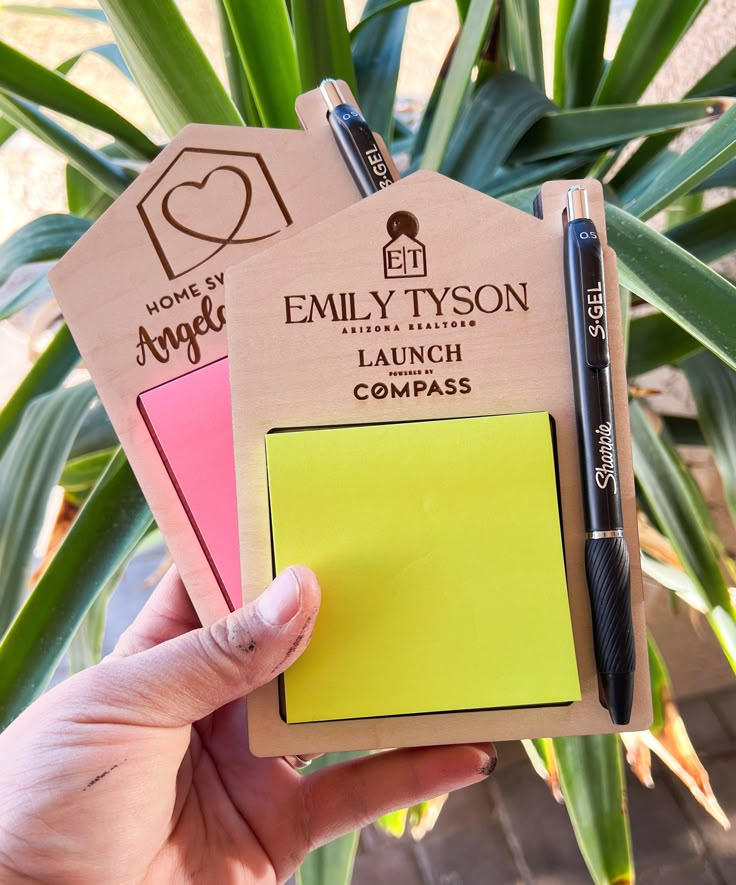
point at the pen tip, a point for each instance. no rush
(618, 691)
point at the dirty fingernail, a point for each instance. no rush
(488, 766)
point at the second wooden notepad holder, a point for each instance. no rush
(143, 294)
(363, 338)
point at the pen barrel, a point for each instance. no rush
(608, 571)
(585, 285)
(607, 564)
(359, 149)
(598, 453)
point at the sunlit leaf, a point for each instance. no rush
(665, 275)
(541, 754)
(582, 51)
(109, 526)
(654, 341)
(423, 816)
(592, 781)
(30, 80)
(455, 86)
(492, 123)
(169, 66)
(654, 28)
(29, 468)
(274, 87)
(673, 579)
(565, 10)
(81, 474)
(713, 386)
(682, 514)
(427, 121)
(46, 374)
(24, 115)
(523, 37)
(377, 56)
(715, 148)
(393, 823)
(322, 42)
(586, 129)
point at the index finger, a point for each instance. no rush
(167, 613)
(347, 796)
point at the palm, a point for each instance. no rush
(252, 805)
(211, 805)
(105, 780)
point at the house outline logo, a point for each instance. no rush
(404, 255)
(207, 200)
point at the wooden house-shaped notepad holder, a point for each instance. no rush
(143, 295)
(404, 423)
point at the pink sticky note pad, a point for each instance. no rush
(191, 424)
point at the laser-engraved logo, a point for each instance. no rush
(404, 255)
(207, 200)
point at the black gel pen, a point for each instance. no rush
(606, 554)
(356, 142)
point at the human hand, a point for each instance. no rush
(138, 769)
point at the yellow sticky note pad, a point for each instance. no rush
(439, 551)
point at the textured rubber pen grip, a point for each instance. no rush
(609, 584)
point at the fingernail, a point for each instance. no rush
(491, 760)
(282, 600)
(488, 767)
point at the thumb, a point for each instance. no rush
(189, 677)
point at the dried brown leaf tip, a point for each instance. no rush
(673, 746)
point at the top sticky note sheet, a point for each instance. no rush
(439, 552)
(190, 421)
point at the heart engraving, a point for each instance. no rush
(203, 201)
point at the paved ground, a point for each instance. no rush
(509, 831)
